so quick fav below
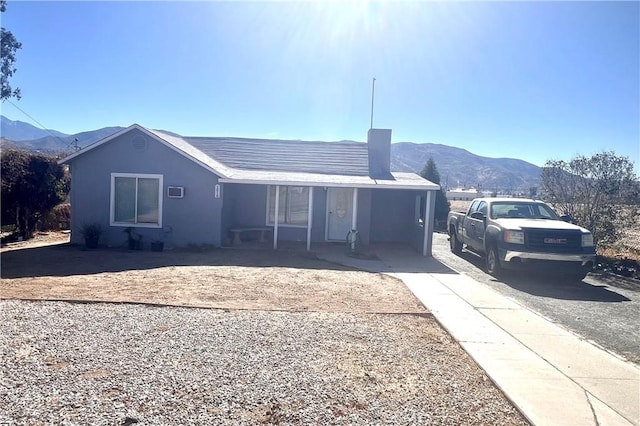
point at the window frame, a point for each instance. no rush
(287, 207)
(112, 199)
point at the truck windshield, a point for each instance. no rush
(516, 209)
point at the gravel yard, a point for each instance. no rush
(375, 362)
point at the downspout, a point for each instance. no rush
(310, 218)
(275, 219)
(354, 217)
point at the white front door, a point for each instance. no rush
(339, 213)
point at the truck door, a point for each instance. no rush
(466, 224)
(474, 225)
(481, 225)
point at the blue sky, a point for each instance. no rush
(528, 80)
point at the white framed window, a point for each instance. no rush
(293, 209)
(136, 200)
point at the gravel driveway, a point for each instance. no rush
(379, 360)
(72, 363)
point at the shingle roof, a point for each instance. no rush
(341, 158)
(279, 162)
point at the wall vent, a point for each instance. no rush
(175, 191)
(139, 143)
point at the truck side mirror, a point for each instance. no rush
(566, 218)
(478, 216)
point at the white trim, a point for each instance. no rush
(354, 209)
(327, 215)
(310, 219)
(100, 142)
(427, 223)
(275, 218)
(374, 185)
(152, 135)
(112, 199)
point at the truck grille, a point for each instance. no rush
(559, 241)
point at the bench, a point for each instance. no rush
(237, 231)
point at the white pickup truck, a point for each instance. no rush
(520, 233)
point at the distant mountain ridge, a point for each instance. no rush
(458, 167)
(21, 131)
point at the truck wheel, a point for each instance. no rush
(454, 243)
(493, 261)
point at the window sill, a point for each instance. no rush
(135, 225)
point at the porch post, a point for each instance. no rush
(310, 218)
(354, 218)
(275, 219)
(428, 224)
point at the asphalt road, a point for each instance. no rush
(602, 309)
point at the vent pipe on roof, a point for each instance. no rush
(379, 147)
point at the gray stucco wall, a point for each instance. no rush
(194, 219)
(393, 216)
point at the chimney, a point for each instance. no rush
(379, 146)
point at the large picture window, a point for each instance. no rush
(136, 200)
(293, 206)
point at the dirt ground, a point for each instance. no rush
(49, 268)
(369, 337)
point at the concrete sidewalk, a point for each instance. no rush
(551, 375)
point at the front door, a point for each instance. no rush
(339, 213)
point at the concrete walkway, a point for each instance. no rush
(551, 375)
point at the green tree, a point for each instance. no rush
(8, 58)
(32, 184)
(430, 172)
(599, 192)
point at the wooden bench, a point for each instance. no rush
(237, 231)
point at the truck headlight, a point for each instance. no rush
(515, 237)
(587, 240)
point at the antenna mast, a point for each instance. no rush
(373, 91)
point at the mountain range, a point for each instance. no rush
(458, 167)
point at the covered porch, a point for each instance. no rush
(289, 214)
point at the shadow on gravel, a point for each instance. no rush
(545, 285)
(558, 288)
(67, 260)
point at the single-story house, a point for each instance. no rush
(205, 190)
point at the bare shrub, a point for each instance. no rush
(598, 192)
(57, 219)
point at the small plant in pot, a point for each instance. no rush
(157, 245)
(91, 233)
(133, 239)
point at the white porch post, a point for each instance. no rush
(275, 219)
(310, 218)
(354, 218)
(427, 224)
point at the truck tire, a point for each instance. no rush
(493, 261)
(454, 243)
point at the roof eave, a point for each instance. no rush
(372, 185)
(148, 133)
(100, 142)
